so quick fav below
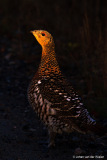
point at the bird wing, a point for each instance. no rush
(66, 105)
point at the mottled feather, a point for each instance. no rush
(53, 98)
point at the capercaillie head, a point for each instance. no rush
(44, 38)
(48, 63)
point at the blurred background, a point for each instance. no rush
(79, 29)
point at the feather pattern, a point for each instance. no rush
(52, 97)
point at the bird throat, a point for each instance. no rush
(49, 64)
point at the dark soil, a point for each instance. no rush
(22, 136)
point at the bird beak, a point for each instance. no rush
(35, 33)
(31, 32)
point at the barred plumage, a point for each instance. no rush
(53, 98)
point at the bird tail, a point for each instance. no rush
(97, 129)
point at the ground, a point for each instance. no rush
(22, 135)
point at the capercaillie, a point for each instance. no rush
(53, 98)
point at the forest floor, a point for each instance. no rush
(22, 136)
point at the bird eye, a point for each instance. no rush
(43, 34)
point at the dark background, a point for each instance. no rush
(79, 29)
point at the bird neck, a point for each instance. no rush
(49, 64)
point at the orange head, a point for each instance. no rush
(48, 60)
(43, 37)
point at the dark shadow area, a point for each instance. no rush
(79, 29)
